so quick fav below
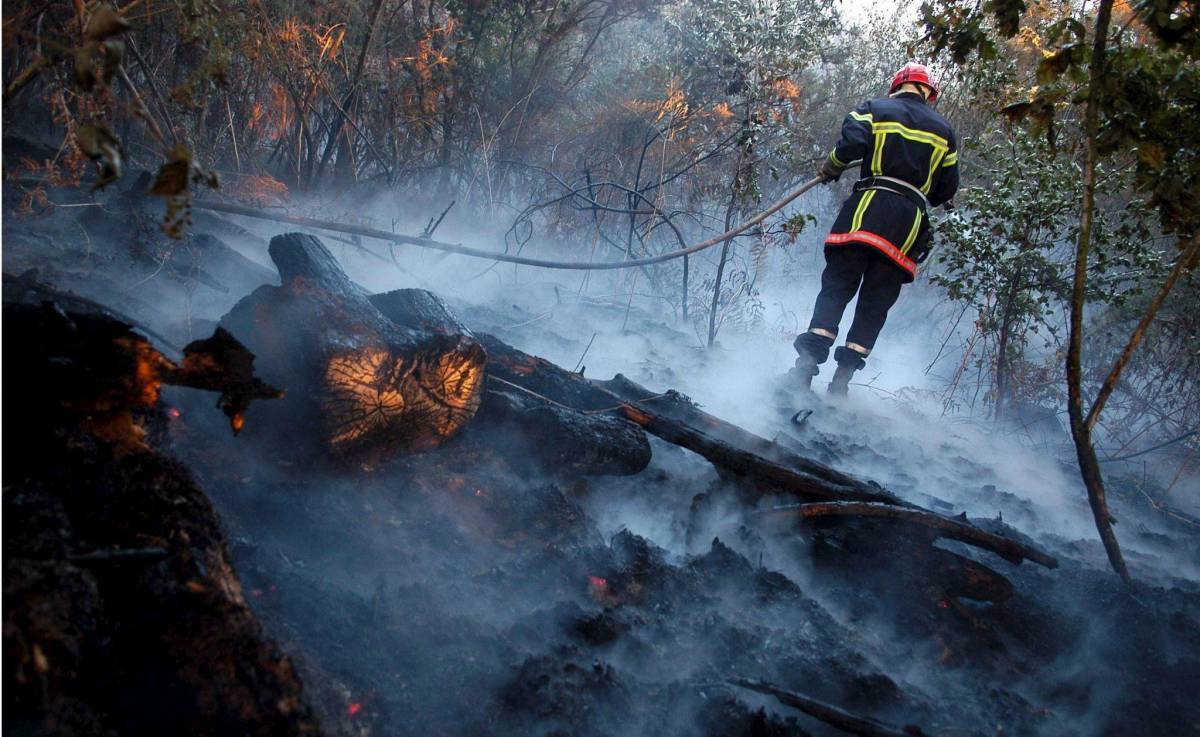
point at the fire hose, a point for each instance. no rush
(362, 230)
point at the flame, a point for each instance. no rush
(237, 422)
(722, 112)
(675, 105)
(146, 374)
(788, 90)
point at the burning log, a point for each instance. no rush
(563, 440)
(105, 373)
(830, 714)
(370, 385)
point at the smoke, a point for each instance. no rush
(454, 593)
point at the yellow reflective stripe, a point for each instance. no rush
(951, 159)
(912, 134)
(877, 159)
(836, 161)
(856, 223)
(862, 118)
(912, 234)
(934, 161)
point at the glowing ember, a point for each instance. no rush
(597, 583)
(365, 395)
(375, 393)
(237, 422)
(354, 709)
(174, 413)
(479, 492)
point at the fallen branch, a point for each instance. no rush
(948, 527)
(838, 717)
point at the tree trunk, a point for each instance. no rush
(338, 122)
(1002, 364)
(1089, 466)
(716, 299)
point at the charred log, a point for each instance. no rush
(103, 373)
(560, 440)
(369, 385)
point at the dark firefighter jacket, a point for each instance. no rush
(909, 162)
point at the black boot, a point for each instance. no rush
(801, 375)
(848, 361)
(814, 350)
(840, 385)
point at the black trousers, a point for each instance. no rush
(851, 269)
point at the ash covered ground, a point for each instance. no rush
(463, 591)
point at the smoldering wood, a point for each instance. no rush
(105, 371)
(221, 364)
(828, 713)
(562, 440)
(763, 466)
(369, 385)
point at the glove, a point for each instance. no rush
(829, 171)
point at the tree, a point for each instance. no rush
(1134, 89)
(1007, 251)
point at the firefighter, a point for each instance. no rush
(909, 164)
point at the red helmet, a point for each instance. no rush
(917, 73)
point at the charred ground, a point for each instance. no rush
(492, 586)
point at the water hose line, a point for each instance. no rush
(362, 230)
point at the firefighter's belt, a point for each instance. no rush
(895, 186)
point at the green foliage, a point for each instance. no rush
(1148, 97)
(1007, 251)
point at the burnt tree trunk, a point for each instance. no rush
(560, 440)
(370, 385)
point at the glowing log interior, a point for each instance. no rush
(364, 385)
